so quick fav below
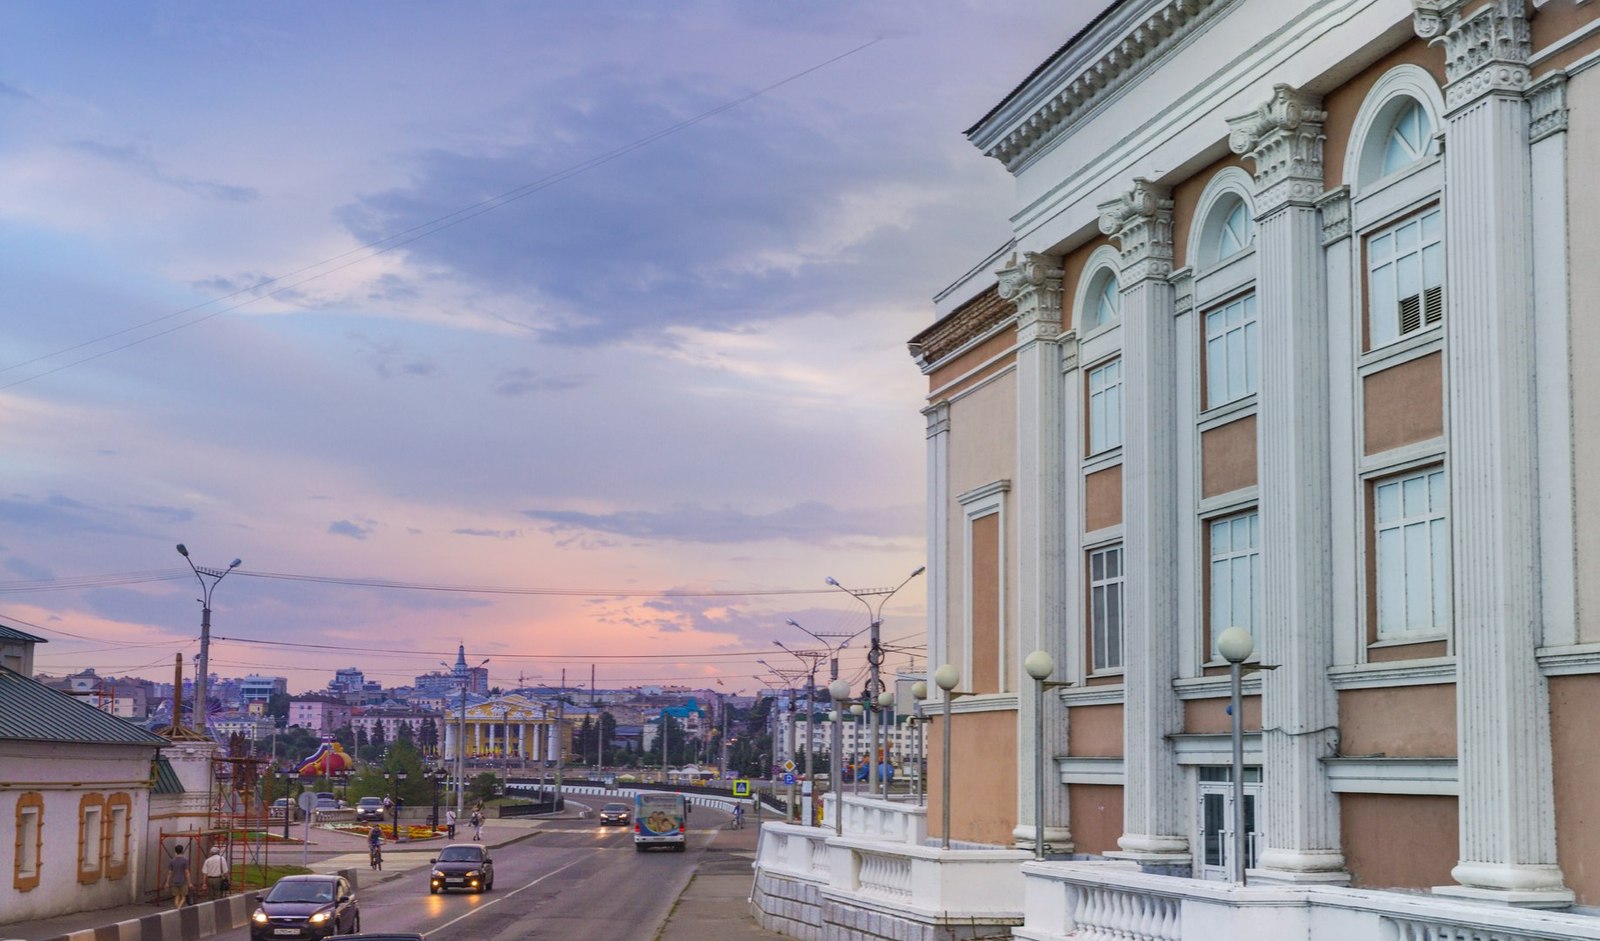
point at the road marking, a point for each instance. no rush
(478, 908)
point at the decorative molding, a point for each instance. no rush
(1141, 222)
(965, 326)
(1216, 687)
(1569, 661)
(1377, 774)
(1106, 694)
(1182, 290)
(1430, 672)
(1547, 101)
(938, 416)
(1335, 208)
(1033, 284)
(1216, 748)
(989, 702)
(1074, 770)
(1283, 137)
(984, 492)
(1083, 78)
(1069, 351)
(1486, 51)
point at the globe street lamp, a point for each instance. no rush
(1039, 665)
(839, 692)
(394, 791)
(919, 692)
(875, 655)
(201, 672)
(856, 710)
(946, 678)
(1235, 644)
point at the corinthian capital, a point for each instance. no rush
(1283, 137)
(1485, 51)
(1033, 281)
(1141, 222)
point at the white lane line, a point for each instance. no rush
(499, 899)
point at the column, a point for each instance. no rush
(1033, 282)
(1300, 712)
(1154, 826)
(938, 478)
(1507, 813)
(449, 739)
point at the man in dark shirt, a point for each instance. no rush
(177, 876)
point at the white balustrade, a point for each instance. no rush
(885, 876)
(873, 818)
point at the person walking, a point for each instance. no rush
(176, 877)
(477, 825)
(738, 816)
(450, 823)
(215, 869)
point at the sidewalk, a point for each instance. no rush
(330, 851)
(715, 906)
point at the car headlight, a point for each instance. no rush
(259, 917)
(474, 874)
(321, 917)
(437, 874)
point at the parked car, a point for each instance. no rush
(309, 907)
(462, 866)
(276, 810)
(327, 800)
(615, 814)
(369, 808)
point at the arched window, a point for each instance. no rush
(1104, 302)
(1234, 229)
(1407, 140)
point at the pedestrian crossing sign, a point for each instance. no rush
(741, 787)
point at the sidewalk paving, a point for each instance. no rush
(715, 906)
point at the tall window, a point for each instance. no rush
(30, 841)
(1413, 544)
(1104, 303)
(1105, 608)
(1235, 574)
(1405, 278)
(1408, 138)
(118, 832)
(90, 837)
(1105, 407)
(1232, 351)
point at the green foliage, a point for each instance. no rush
(278, 705)
(483, 786)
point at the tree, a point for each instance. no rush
(278, 705)
(483, 786)
(430, 736)
(380, 738)
(404, 734)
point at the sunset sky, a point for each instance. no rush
(601, 304)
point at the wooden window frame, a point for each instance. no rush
(90, 865)
(115, 868)
(29, 801)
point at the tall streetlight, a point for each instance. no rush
(946, 678)
(1235, 644)
(1039, 665)
(206, 588)
(874, 658)
(461, 740)
(839, 691)
(857, 710)
(811, 658)
(833, 642)
(919, 692)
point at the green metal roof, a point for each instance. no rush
(166, 779)
(33, 712)
(11, 633)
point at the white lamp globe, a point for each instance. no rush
(856, 709)
(839, 690)
(919, 689)
(947, 677)
(886, 699)
(1235, 644)
(1039, 665)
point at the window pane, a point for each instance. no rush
(1252, 355)
(1408, 275)
(1388, 502)
(1379, 248)
(1216, 372)
(1419, 572)
(1437, 502)
(1405, 237)
(1236, 377)
(1430, 226)
(1416, 496)
(1114, 625)
(1391, 580)
(1433, 265)
(1381, 305)
(1441, 573)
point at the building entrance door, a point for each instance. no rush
(1215, 846)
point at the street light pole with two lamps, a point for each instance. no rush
(204, 667)
(874, 662)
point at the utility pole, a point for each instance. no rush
(202, 670)
(561, 732)
(875, 786)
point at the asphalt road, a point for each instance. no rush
(572, 880)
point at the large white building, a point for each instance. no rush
(1289, 337)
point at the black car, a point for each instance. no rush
(462, 866)
(369, 808)
(615, 813)
(306, 907)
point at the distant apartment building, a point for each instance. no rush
(390, 719)
(319, 713)
(348, 680)
(260, 689)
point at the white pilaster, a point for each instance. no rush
(1033, 282)
(938, 477)
(1507, 805)
(1154, 825)
(1299, 710)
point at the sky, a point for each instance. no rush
(601, 306)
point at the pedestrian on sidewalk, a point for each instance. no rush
(215, 869)
(177, 877)
(477, 825)
(738, 816)
(450, 824)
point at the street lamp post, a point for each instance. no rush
(203, 670)
(394, 779)
(289, 777)
(946, 678)
(919, 692)
(461, 743)
(839, 691)
(857, 710)
(1235, 644)
(875, 660)
(434, 774)
(1039, 665)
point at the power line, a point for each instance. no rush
(400, 239)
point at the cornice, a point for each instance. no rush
(1141, 222)
(1283, 137)
(1335, 206)
(1082, 76)
(963, 326)
(1547, 100)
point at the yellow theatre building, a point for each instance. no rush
(510, 726)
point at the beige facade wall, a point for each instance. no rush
(1583, 221)
(1102, 499)
(1228, 457)
(1403, 404)
(1557, 20)
(1094, 732)
(1096, 817)
(983, 806)
(1211, 715)
(985, 588)
(1399, 721)
(983, 448)
(1398, 841)
(1574, 716)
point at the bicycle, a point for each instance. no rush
(376, 857)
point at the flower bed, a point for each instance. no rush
(422, 832)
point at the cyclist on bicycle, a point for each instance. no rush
(738, 816)
(375, 847)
